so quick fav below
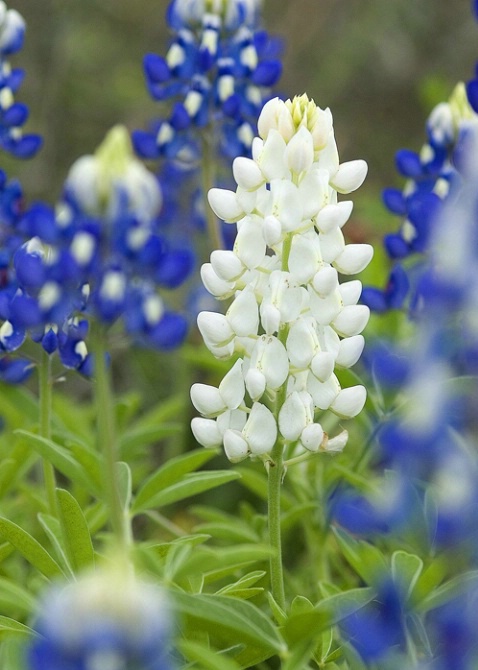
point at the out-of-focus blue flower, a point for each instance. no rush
(217, 74)
(105, 620)
(431, 175)
(13, 115)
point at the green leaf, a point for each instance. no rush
(230, 532)
(30, 548)
(277, 612)
(243, 588)
(454, 587)
(327, 613)
(231, 620)
(76, 534)
(13, 595)
(163, 548)
(257, 483)
(52, 528)
(300, 655)
(145, 436)
(406, 569)
(208, 659)
(367, 560)
(190, 485)
(61, 459)
(170, 473)
(123, 473)
(8, 625)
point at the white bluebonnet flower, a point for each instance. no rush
(103, 621)
(291, 321)
(217, 72)
(13, 115)
(430, 175)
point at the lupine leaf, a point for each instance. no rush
(191, 484)
(168, 474)
(257, 483)
(61, 459)
(454, 587)
(206, 657)
(406, 569)
(76, 535)
(230, 620)
(145, 436)
(15, 596)
(366, 559)
(30, 548)
(8, 625)
(228, 531)
(52, 528)
(123, 472)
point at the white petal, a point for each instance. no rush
(275, 115)
(299, 153)
(249, 245)
(270, 318)
(235, 419)
(232, 387)
(325, 310)
(334, 216)
(322, 365)
(351, 291)
(350, 350)
(351, 320)
(226, 265)
(260, 430)
(235, 446)
(214, 284)
(314, 192)
(207, 400)
(292, 417)
(206, 432)
(349, 176)
(349, 402)
(271, 230)
(247, 173)
(305, 257)
(270, 357)
(214, 328)
(323, 393)
(271, 160)
(354, 258)
(225, 205)
(255, 384)
(302, 343)
(287, 204)
(312, 436)
(332, 245)
(337, 443)
(243, 314)
(325, 281)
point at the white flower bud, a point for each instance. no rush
(207, 400)
(299, 153)
(334, 216)
(255, 384)
(275, 116)
(226, 265)
(302, 343)
(292, 417)
(206, 432)
(349, 176)
(214, 284)
(260, 430)
(325, 281)
(322, 365)
(249, 245)
(349, 402)
(243, 314)
(247, 173)
(350, 350)
(351, 320)
(271, 230)
(350, 291)
(271, 160)
(305, 257)
(224, 204)
(332, 245)
(354, 258)
(235, 446)
(323, 393)
(312, 436)
(215, 328)
(232, 387)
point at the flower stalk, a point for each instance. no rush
(45, 400)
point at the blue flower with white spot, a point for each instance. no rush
(217, 75)
(13, 115)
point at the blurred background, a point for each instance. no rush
(380, 66)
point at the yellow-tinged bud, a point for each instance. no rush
(460, 107)
(113, 156)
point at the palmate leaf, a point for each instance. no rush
(406, 569)
(30, 548)
(228, 621)
(367, 560)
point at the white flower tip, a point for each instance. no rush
(235, 446)
(225, 205)
(350, 176)
(349, 402)
(335, 444)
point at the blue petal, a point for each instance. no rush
(145, 144)
(394, 201)
(374, 298)
(408, 163)
(156, 68)
(170, 331)
(267, 73)
(15, 115)
(396, 246)
(15, 371)
(27, 146)
(175, 268)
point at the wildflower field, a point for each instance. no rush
(238, 335)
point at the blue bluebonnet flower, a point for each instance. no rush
(13, 115)
(104, 620)
(217, 74)
(430, 177)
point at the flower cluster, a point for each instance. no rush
(13, 115)
(217, 72)
(430, 177)
(97, 253)
(291, 322)
(104, 620)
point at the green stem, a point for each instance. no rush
(207, 178)
(45, 398)
(107, 443)
(274, 513)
